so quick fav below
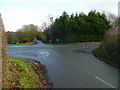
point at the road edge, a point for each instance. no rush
(105, 60)
(40, 68)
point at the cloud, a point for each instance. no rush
(13, 20)
(16, 13)
(35, 1)
(12, 1)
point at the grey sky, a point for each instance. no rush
(16, 13)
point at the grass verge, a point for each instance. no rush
(73, 43)
(24, 74)
(18, 44)
(111, 58)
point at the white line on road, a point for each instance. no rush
(101, 80)
(104, 82)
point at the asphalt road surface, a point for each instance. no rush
(70, 66)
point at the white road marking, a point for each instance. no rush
(104, 82)
(101, 80)
(45, 53)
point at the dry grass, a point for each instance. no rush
(111, 41)
(110, 48)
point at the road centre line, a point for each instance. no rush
(101, 80)
(104, 82)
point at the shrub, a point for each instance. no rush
(111, 41)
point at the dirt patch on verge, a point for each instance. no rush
(41, 69)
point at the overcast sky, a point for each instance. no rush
(16, 13)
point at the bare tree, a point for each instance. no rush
(113, 19)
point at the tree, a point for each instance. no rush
(113, 19)
(78, 27)
(27, 33)
(12, 37)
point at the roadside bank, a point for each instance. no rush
(107, 57)
(27, 74)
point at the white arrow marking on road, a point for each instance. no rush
(45, 53)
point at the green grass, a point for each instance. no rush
(74, 43)
(90, 43)
(112, 57)
(22, 74)
(18, 44)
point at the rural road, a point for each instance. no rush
(70, 66)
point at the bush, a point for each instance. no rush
(26, 34)
(111, 41)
